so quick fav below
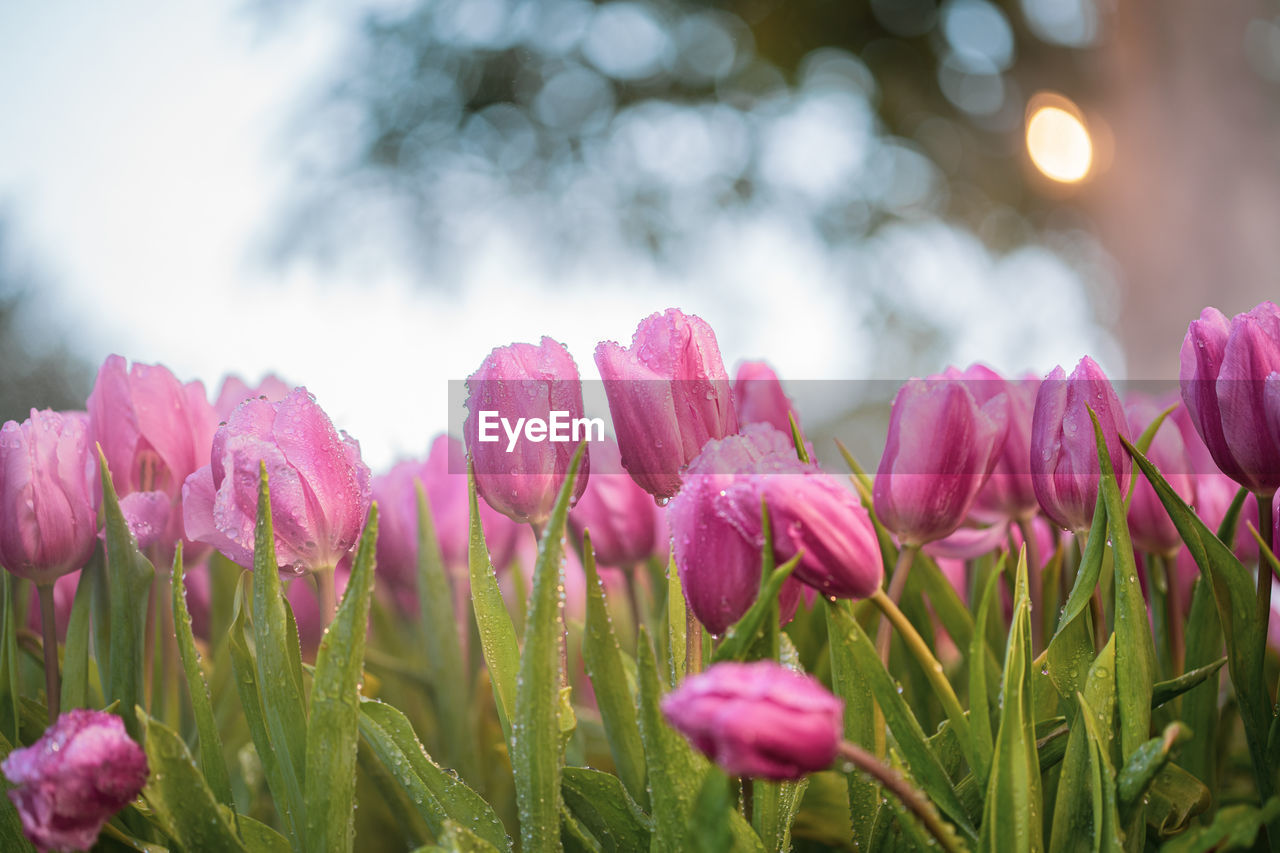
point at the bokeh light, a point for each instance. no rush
(1057, 139)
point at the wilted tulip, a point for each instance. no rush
(669, 395)
(1150, 526)
(67, 784)
(48, 515)
(941, 447)
(618, 512)
(760, 398)
(235, 391)
(320, 487)
(719, 564)
(758, 719)
(1224, 371)
(155, 432)
(524, 423)
(1064, 454)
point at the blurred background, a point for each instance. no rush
(366, 197)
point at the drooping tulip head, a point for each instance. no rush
(48, 506)
(524, 422)
(758, 719)
(669, 395)
(155, 432)
(941, 447)
(67, 784)
(320, 487)
(1064, 455)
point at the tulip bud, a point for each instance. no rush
(518, 386)
(69, 783)
(760, 398)
(669, 395)
(155, 432)
(235, 391)
(48, 511)
(1009, 493)
(619, 514)
(940, 450)
(719, 565)
(1152, 529)
(1224, 371)
(758, 719)
(1064, 452)
(320, 487)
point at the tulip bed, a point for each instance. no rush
(1042, 624)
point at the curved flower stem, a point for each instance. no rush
(896, 585)
(328, 595)
(892, 781)
(920, 649)
(52, 683)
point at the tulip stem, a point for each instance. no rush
(692, 643)
(633, 594)
(892, 781)
(328, 596)
(52, 683)
(897, 584)
(1035, 583)
(1173, 611)
(1266, 527)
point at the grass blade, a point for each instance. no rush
(493, 620)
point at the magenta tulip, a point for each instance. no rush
(669, 395)
(1224, 371)
(524, 422)
(1010, 493)
(758, 719)
(941, 447)
(720, 565)
(69, 783)
(320, 487)
(1150, 526)
(235, 391)
(155, 432)
(48, 511)
(618, 513)
(760, 398)
(1064, 455)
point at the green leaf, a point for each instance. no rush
(446, 668)
(1170, 689)
(1135, 651)
(537, 755)
(955, 617)
(12, 689)
(1070, 650)
(1200, 704)
(1146, 762)
(708, 830)
(333, 728)
(438, 795)
(211, 760)
(677, 624)
(859, 727)
(258, 837)
(246, 671)
(458, 839)
(1106, 817)
(1234, 828)
(278, 657)
(129, 583)
(180, 800)
(603, 806)
(979, 709)
(1011, 818)
(923, 763)
(614, 695)
(743, 634)
(1235, 595)
(1078, 814)
(75, 653)
(1174, 799)
(493, 620)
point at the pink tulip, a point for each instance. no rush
(719, 561)
(320, 488)
(1225, 367)
(758, 719)
(155, 432)
(619, 514)
(760, 398)
(1009, 493)
(1064, 455)
(519, 468)
(235, 391)
(48, 511)
(69, 783)
(669, 395)
(1151, 527)
(941, 447)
